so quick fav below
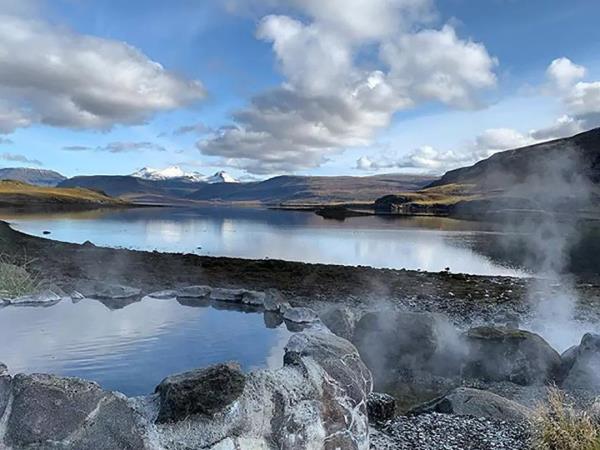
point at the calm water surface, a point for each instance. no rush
(425, 243)
(132, 349)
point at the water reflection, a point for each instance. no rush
(426, 243)
(132, 349)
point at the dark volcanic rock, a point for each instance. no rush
(389, 341)
(194, 292)
(340, 321)
(70, 414)
(106, 291)
(49, 408)
(202, 391)
(503, 354)
(381, 407)
(5, 382)
(114, 425)
(476, 403)
(585, 368)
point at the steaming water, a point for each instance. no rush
(426, 243)
(132, 349)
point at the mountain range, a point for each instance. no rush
(37, 177)
(568, 168)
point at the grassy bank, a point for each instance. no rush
(16, 193)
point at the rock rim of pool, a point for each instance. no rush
(316, 399)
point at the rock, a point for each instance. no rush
(585, 370)
(5, 385)
(69, 413)
(107, 291)
(340, 320)
(381, 407)
(194, 292)
(567, 360)
(273, 300)
(504, 354)
(202, 391)
(253, 298)
(227, 295)
(43, 298)
(88, 244)
(392, 341)
(272, 319)
(345, 387)
(299, 315)
(76, 296)
(168, 294)
(113, 425)
(476, 403)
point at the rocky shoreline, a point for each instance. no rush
(446, 346)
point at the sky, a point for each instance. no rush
(312, 87)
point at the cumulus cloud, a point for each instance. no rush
(55, 76)
(118, 147)
(432, 160)
(563, 73)
(330, 99)
(15, 157)
(581, 102)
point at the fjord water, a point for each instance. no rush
(132, 349)
(419, 243)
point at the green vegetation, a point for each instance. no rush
(559, 426)
(19, 193)
(16, 280)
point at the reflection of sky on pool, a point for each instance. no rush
(430, 244)
(132, 349)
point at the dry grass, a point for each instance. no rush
(16, 189)
(559, 426)
(15, 279)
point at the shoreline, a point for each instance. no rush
(305, 284)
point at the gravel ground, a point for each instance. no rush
(448, 432)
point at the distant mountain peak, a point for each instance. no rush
(168, 173)
(221, 177)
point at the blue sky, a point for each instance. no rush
(290, 86)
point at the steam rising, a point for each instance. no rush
(559, 186)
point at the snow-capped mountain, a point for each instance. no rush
(170, 173)
(176, 173)
(221, 177)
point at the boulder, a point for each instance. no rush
(253, 298)
(300, 315)
(202, 391)
(584, 372)
(273, 300)
(227, 295)
(194, 292)
(381, 407)
(567, 360)
(505, 354)
(392, 341)
(106, 291)
(340, 321)
(76, 296)
(42, 298)
(477, 403)
(71, 414)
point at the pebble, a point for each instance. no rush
(449, 432)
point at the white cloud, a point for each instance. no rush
(118, 147)
(432, 160)
(564, 126)
(330, 99)
(563, 73)
(58, 77)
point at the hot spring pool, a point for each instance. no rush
(132, 349)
